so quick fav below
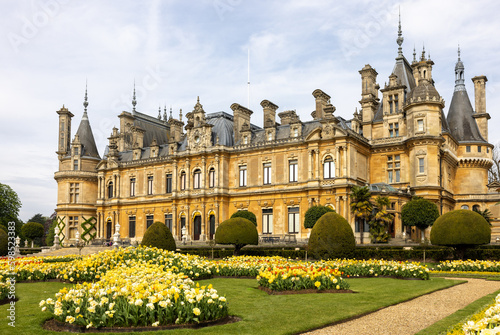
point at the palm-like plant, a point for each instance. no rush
(381, 220)
(486, 214)
(361, 207)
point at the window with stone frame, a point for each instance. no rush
(110, 190)
(293, 220)
(131, 226)
(267, 173)
(211, 178)
(393, 168)
(243, 175)
(183, 181)
(149, 220)
(393, 104)
(420, 125)
(132, 187)
(168, 221)
(168, 188)
(293, 171)
(75, 164)
(267, 221)
(150, 185)
(393, 129)
(197, 179)
(74, 192)
(328, 168)
(421, 165)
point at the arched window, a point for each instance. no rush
(197, 179)
(465, 207)
(183, 181)
(211, 178)
(110, 189)
(476, 208)
(328, 168)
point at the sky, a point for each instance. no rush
(178, 50)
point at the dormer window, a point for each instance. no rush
(245, 140)
(295, 132)
(420, 125)
(269, 136)
(75, 151)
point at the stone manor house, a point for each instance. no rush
(196, 173)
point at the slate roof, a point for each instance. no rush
(153, 128)
(84, 132)
(460, 119)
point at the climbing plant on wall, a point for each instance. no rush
(89, 230)
(61, 225)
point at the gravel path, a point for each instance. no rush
(416, 314)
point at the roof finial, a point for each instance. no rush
(414, 54)
(180, 115)
(85, 100)
(165, 112)
(423, 53)
(170, 113)
(459, 52)
(134, 102)
(159, 112)
(400, 38)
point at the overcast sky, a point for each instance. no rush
(178, 50)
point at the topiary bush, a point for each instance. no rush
(238, 232)
(3, 243)
(32, 230)
(246, 215)
(461, 229)
(331, 237)
(159, 236)
(314, 213)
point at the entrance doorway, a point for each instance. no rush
(197, 227)
(211, 219)
(109, 227)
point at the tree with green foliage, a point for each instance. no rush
(486, 214)
(461, 229)
(32, 230)
(9, 208)
(49, 238)
(238, 232)
(361, 206)
(314, 213)
(246, 215)
(159, 236)
(331, 237)
(3, 243)
(38, 218)
(420, 213)
(381, 221)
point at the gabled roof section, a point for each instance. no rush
(86, 137)
(402, 69)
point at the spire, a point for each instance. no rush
(165, 112)
(85, 101)
(414, 54)
(180, 115)
(422, 58)
(159, 112)
(400, 38)
(170, 117)
(134, 102)
(459, 74)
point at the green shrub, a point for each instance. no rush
(49, 239)
(314, 213)
(246, 215)
(461, 229)
(3, 243)
(332, 237)
(238, 232)
(159, 236)
(32, 230)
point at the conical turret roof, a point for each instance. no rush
(86, 137)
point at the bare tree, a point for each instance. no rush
(494, 171)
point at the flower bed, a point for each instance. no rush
(469, 265)
(485, 322)
(301, 277)
(137, 294)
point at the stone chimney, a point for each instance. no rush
(322, 100)
(480, 105)
(241, 115)
(269, 113)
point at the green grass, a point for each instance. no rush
(459, 316)
(260, 313)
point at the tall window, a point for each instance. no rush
(293, 170)
(478, 148)
(328, 168)
(74, 192)
(168, 221)
(131, 226)
(132, 187)
(73, 226)
(197, 179)
(149, 220)
(75, 164)
(269, 136)
(75, 150)
(295, 132)
(243, 176)
(293, 220)
(394, 168)
(211, 178)
(393, 104)
(267, 173)
(150, 185)
(421, 168)
(420, 125)
(169, 183)
(110, 189)
(267, 221)
(394, 129)
(467, 148)
(183, 181)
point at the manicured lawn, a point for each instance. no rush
(261, 313)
